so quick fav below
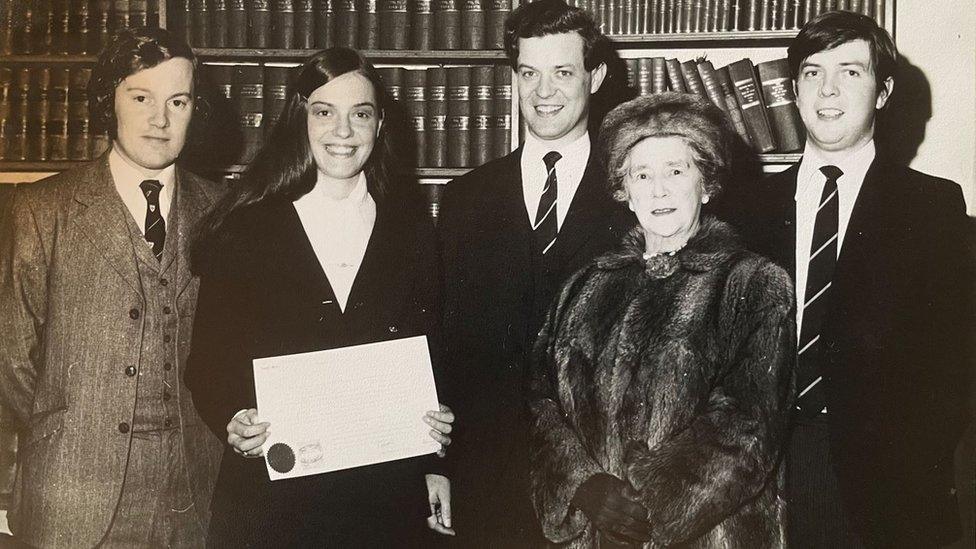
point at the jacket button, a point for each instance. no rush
(393, 329)
(168, 422)
(163, 281)
(167, 310)
(130, 371)
(166, 338)
(168, 366)
(166, 395)
(123, 427)
(134, 314)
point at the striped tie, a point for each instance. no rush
(155, 225)
(545, 226)
(812, 398)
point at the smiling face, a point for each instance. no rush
(837, 95)
(153, 108)
(343, 124)
(664, 190)
(554, 86)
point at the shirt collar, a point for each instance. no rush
(357, 198)
(535, 148)
(126, 174)
(855, 167)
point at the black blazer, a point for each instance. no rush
(497, 291)
(265, 294)
(898, 341)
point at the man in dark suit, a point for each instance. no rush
(884, 308)
(512, 231)
(97, 300)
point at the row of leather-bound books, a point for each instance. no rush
(69, 26)
(637, 17)
(44, 115)
(445, 117)
(758, 99)
(363, 24)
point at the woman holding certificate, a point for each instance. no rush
(316, 248)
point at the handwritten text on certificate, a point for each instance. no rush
(346, 407)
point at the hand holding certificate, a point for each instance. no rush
(346, 407)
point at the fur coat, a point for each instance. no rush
(674, 374)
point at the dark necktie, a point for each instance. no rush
(545, 226)
(155, 225)
(811, 397)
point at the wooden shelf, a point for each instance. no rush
(780, 158)
(405, 56)
(52, 58)
(419, 172)
(38, 166)
(715, 39)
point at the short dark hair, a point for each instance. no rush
(546, 17)
(128, 52)
(703, 126)
(831, 29)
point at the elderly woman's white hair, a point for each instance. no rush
(703, 126)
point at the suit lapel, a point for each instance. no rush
(584, 212)
(191, 203)
(102, 217)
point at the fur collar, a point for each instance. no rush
(713, 244)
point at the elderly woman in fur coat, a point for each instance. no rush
(664, 374)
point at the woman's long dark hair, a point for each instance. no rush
(285, 167)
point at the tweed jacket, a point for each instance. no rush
(71, 298)
(676, 375)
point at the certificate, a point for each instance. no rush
(346, 407)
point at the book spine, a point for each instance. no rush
(138, 13)
(879, 12)
(659, 75)
(57, 115)
(16, 146)
(784, 117)
(735, 112)
(236, 23)
(447, 25)
(420, 23)
(6, 107)
(712, 88)
(629, 12)
(282, 15)
(665, 11)
(304, 34)
(724, 15)
(43, 24)
(482, 92)
(7, 33)
(649, 17)
(59, 26)
(258, 23)
(369, 38)
(857, 6)
(472, 25)
(325, 24)
(502, 111)
(844, 5)
(416, 105)
(152, 14)
(709, 15)
(458, 116)
(796, 15)
(219, 24)
(275, 94)
(749, 94)
(433, 193)
(37, 112)
(689, 71)
(393, 83)
(644, 76)
(79, 125)
(120, 15)
(436, 116)
(782, 20)
(347, 23)
(394, 25)
(675, 79)
(696, 16)
(199, 24)
(248, 93)
(632, 68)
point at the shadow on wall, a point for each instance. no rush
(900, 129)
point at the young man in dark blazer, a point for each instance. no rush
(884, 308)
(98, 301)
(512, 231)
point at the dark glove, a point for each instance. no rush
(602, 500)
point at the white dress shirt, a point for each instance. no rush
(569, 173)
(127, 179)
(339, 231)
(809, 186)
